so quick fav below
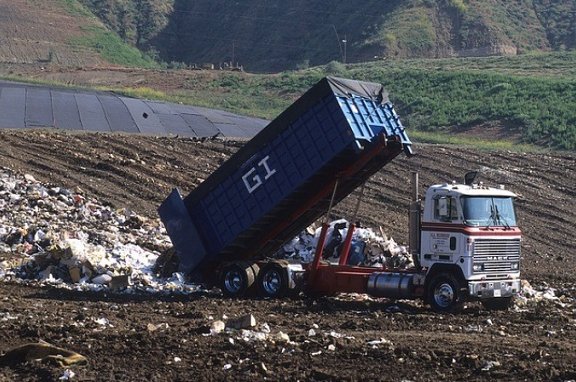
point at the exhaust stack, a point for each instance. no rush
(414, 222)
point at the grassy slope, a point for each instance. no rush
(534, 94)
(100, 39)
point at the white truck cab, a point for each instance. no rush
(469, 234)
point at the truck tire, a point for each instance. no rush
(273, 281)
(500, 303)
(237, 279)
(444, 294)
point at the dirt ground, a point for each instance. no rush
(165, 338)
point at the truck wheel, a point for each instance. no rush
(500, 303)
(444, 294)
(236, 279)
(273, 281)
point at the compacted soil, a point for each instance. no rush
(128, 337)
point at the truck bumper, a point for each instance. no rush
(493, 288)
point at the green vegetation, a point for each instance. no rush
(112, 48)
(141, 92)
(478, 143)
(136, 22)
(543, 109)
(75, 9)
(539, 108)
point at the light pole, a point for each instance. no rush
(344, 41)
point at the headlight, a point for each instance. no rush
(477, 267)
(515, 266)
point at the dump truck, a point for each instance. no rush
(463, 237)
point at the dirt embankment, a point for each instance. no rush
(42, 33)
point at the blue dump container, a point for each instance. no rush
(280, 181)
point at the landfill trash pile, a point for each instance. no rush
(367, 248)
(60, 236)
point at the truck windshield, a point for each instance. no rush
(488, 211)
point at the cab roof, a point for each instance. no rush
(472, 190)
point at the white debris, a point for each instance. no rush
(334, 334)
(7, 317)
(381, 341)
(217, 327)
(530, 295)
(102, 321)
(281, 337)
(473, 329)
(102, 279)
(245, 322)
(490, 365)
(65, 238)
(153, 327)
(367, 247)
(68, 375)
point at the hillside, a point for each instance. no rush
(60, 33)
(279, 35)
(276, 35)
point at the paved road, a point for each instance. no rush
(25, 106)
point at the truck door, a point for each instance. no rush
(440, 239)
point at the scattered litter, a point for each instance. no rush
(490, 365)
(153, 327)
(102, 321)
(75, 242)
(381, 341)
(217, 327)
(473, 329)
(68, 375)
(245, 322)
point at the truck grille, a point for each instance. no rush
(496, 256)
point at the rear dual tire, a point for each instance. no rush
(245, 279)
(237, 280)
(273, 281)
